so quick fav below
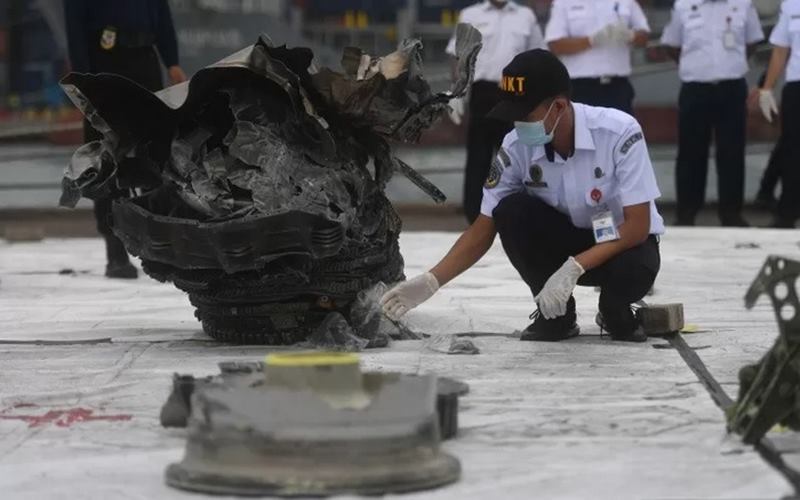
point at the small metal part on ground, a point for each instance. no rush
(175, 411)
(332, 430)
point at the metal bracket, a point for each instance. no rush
(769, 390)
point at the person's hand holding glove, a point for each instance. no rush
(604, 36)
(408, 295)
(766, 101)
(622, 35)
(456, 110)
(553, 298)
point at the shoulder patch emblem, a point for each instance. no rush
(504, 158)
(630, 141)
(495, 172)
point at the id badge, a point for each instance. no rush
(108, 39)
(729, 40)
(603, 227)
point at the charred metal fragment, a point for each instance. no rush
(248, 187)
(769, 391)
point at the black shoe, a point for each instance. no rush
(782, 223)
(121, 270)
(765, 201)
(621, 324)
(551, 330)
(734, 220)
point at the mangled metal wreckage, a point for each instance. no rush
(257, 186)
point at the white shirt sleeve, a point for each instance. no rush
(633, 170)
(673, 31)
(507, 169)
(780, 33)
(754, 31)
(536, 40)
(638, 19)
(557, 27)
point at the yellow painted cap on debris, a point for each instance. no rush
(298, 359)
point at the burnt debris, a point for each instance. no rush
(257, 186)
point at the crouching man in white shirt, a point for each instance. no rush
(572, 194)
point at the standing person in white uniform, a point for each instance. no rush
(571, 194)
(712, 40)
(593, 38)
(507, 30)
(785, 39)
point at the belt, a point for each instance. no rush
(603, 80)
(716, 82)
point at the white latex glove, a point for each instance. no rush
(605, 36)
(408, 295)
(393, 65)
(766, 101)
(621, 34)
(457, 110)
(553, 298)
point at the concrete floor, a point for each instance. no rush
(85, 364)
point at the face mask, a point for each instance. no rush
(534, 133)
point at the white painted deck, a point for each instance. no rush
(586, 418)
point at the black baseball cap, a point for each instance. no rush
(530, 78)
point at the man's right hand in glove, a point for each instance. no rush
(605, 36)
(766, 101)
(456, 110)
(408, 295)
(612, 34)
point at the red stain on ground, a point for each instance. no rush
(62, 418)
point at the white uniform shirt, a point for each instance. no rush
(582, 18)
(787, 34)
(700, 29)
(506, 32)
(611, 159)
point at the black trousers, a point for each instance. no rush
(617, 93)
(705, 109)
(484, 137)
(538, 239)
(772, 174)
(143, 67)
(789, 202)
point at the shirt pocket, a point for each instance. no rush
(624, 15)
(579, 22)
(794, 24)
(694, 29)
(736, 23)
(519, 37)
(486, 29)
(608, 199)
